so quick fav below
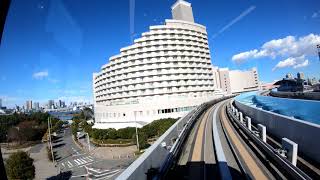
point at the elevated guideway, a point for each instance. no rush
(214, 141)
(213, 150)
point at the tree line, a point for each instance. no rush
(25, 127)
(151, 130)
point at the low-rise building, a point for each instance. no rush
(290, 84)
(236, 81)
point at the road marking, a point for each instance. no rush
(84, 165)
(78, 163)
(109, 176)
(70, 165)
(78, 154)
(82, 160)
(97, 170)
(83, 175)
(89, 159)
(104, 174)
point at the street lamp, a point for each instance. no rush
(137, 137)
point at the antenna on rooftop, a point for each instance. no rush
(318, 47)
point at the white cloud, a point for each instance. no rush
(302, 64)
(295, 62)
(248, 54)
(290, 47)
(40, 74)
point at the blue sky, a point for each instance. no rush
(51, 48)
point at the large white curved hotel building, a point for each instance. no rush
(165, 73)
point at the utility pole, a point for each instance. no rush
(88, 139)
(137, 137)
(50, 142)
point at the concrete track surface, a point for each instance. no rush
(214, 150)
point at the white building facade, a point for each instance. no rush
(165, 73)
(236, 81)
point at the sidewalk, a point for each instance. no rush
(44, 167)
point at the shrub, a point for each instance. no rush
(20, 166)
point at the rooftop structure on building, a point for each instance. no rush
(290, 84)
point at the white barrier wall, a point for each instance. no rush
(305, 134)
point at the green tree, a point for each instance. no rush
(20, 166)
(143, 140)
(87, 113)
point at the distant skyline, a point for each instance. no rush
(51, 48)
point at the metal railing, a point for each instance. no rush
(260, 142)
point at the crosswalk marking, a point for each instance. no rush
(89, 159)
(82, 161)
(70, 165)
(78, 163)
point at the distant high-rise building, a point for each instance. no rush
(289, 76)
(36, 106)
(29, 105)
(300, 75)
(51, 104)
(0, 103)
(60, 104)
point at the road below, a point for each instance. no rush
(74, 163)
